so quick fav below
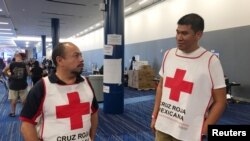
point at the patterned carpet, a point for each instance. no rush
(132, 125)
(236, 114)
(9, 127)
(131, 92)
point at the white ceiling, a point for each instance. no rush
(33, 18)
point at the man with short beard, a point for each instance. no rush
(62, 105)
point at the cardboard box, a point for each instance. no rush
(141, 79)
(137, 64)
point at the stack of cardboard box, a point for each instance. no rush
(142, 78)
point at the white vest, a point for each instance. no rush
(186, 95)
(66, 112)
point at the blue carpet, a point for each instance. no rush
(132, 125)
(236, 114)
(2, 92)
(131, 92)
(9, 126)
(134, 100)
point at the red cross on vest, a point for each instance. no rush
(178, 85)
(74, 110)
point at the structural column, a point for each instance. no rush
(34, 53)
(44, 45)
(114, 25)
(55, 33)
(3, 54)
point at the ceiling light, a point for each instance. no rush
(128, 9)
(98, 24)
(4, 23)
(27, 42)
(1, 10)
(6, 37)
(29, 38)
(24, 38)
(5, 29)
(142, 2)
(6, 33)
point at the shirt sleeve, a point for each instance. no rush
(32, 108)
(217, 74)
(94, 105)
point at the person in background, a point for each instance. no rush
(51, 68)
(3, 79)
(61, 105)
(131, 63)
(36, 72)
(101, 70)
(17, 72)
(2, 66)
(191, 93)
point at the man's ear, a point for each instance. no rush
(59, 59)
(199, 34)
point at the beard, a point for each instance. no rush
(77, 71)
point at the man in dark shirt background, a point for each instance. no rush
(17, 73)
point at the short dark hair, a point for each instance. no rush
(58, 51)
(195, 20)
(36, 64)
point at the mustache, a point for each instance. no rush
(80, 65)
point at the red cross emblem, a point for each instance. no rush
(74, 110)
(178, 85)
